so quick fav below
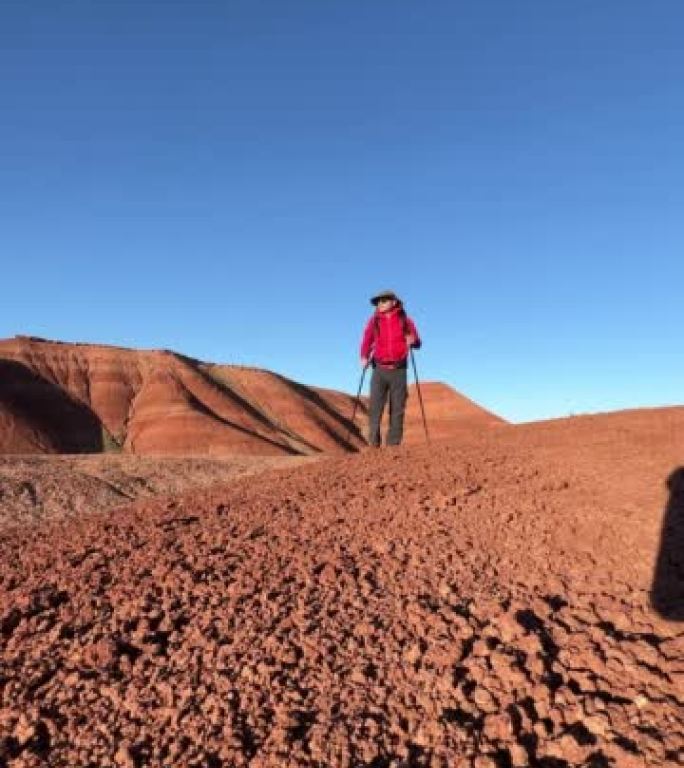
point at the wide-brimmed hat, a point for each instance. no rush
(384, 295)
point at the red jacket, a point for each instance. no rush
(384, 337)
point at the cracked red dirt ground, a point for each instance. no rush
(480, 604)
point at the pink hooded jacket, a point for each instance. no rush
(384, 338)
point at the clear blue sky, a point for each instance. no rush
(233, 179)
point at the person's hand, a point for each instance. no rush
(364, 362)
(410, 340)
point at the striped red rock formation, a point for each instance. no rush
(73, 398)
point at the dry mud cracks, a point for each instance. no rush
(407, 608)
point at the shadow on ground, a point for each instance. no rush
(667, 593)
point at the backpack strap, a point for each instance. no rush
(404, 322)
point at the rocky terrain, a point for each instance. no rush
(34, 489)
(514, 598)
(82, 398)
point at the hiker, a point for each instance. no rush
(387, 340)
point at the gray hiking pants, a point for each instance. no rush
(384, 382)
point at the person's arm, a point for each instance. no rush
(412, 338)
(367, 343)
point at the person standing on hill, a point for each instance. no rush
(387, 340)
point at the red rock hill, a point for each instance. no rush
(447, 412)
(72, 398)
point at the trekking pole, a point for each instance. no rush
(357, 400)
(420, 397)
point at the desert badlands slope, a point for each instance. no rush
(62, 398)
(512, 598)
(82, 398)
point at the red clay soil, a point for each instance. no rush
(512, 600)
(315, 419)
(81, 398)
